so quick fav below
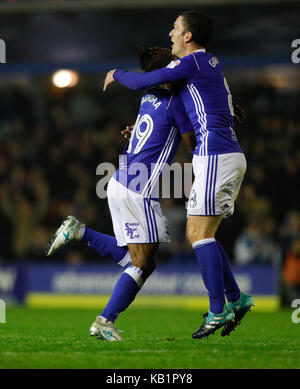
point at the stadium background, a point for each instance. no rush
(52, 140)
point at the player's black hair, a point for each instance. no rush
(153, 58)
(200, 25)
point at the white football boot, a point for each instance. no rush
(105, 330)
(68, 231)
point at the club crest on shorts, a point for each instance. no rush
(193, 201)
(131, 229)
(225, 207)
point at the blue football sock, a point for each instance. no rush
(107, 245)
(124, 293)
(211, 265)
(232, 291)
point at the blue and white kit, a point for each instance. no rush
(132, 192)
(219, 163)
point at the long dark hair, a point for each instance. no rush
(153, 58)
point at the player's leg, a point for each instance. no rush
(205, 212)
(233, 167)
(125, 290)
(132, 280)
(106, 245)
(222, 176)
(231, 289)
(73, 230)
(238, 301)
(139, 223)
(143, 257)
(205, 227)
(201, 234)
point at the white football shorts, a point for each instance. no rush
(218, 179)
(135, 219)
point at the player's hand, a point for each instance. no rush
(127, 132)
(109, 79)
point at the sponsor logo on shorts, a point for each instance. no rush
(131, 229)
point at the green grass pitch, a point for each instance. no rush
(154, 338)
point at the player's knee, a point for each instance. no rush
(147, 265)
(194, 234)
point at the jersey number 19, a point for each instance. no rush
(141, 136)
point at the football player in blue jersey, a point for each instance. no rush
(219, 163)
(138, 222)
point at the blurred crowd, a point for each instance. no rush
(52, 140)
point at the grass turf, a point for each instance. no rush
(154, 338)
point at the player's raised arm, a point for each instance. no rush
(175, 71)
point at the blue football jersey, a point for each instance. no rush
(154, 140)
(205, 95)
